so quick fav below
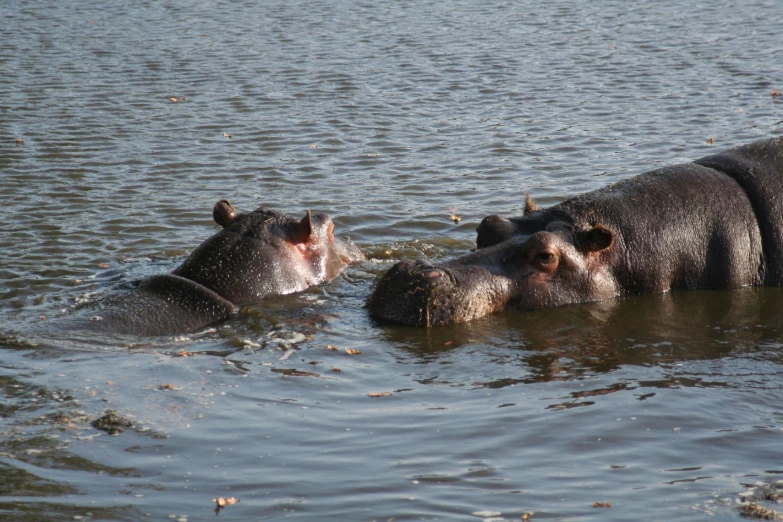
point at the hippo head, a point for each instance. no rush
(558, 265)
(264, 252)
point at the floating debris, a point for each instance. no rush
(227, 135)
(292, 372)
(775, 94)
(455, 218)
(175, 100)
(602, 504)
(379, 394)
(710, 141)
(761, 492)
(767, 492)
(221, 502)
(19, 141)
(758, 512)
(163, 387)
(351, 351)
(112, 423)
(285, 339)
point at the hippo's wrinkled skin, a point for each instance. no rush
(715, 223)
(257, 254)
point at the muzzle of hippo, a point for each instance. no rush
(548, 268)
(419, 294)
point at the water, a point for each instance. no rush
(390, 117)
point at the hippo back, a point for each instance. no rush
(159, 305)
(758, 168)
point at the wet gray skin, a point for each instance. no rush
(257, 254)
(715, 223)
(264, 253)
(549, 268)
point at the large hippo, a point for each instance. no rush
(716, 223)
(257, 254)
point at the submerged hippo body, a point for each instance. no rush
(715, 223)
(257, 254)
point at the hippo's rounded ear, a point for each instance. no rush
(224, 213)
(595, 239)
(303, 230)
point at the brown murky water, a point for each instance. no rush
(391, 117)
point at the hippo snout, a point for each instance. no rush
(406, 293)
(401, 294)
(417, 293)
(410, 273)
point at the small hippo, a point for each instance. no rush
(257, 254)
(716, 223)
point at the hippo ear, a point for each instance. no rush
(224, 213)
(530, 205)
(596, 239)
(304, 229)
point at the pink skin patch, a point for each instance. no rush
(316, 255)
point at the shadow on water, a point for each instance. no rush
(572, 341)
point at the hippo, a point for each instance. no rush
(256, 254)
(716, 223)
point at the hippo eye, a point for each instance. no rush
(545, 258)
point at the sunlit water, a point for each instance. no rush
(391, 117)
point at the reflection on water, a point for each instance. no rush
(656, 330)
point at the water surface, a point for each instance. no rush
(391, 117)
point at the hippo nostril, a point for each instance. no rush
(431, 275)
